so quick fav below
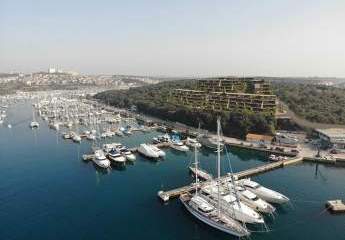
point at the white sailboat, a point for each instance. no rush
(211, 214)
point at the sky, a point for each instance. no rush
(175, 38)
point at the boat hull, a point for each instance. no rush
(212, 223)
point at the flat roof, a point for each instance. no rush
(332, 132)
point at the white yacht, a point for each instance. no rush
(119, 133)
(209, 142)
(263, 192)
(179, 146)
(191, 142)
(126, 152)
(116, 156)
(91, 137)
(148, 151)
(100, 159)
(202, 174)
(34, 124)
(251, 200)
(76, 138)
(235, 208)
(160, 152)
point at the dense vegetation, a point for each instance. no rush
(153, 100)
(316, 103)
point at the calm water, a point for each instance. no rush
(47, 192)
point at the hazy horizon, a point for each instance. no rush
(175, 39)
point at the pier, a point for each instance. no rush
(166, 195)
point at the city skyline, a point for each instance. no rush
(180, 38)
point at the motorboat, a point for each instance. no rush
(179, 146)
(66, 135)
(34, 124)
(251, 200)
(191, 142)
(100, 159)
(209, 142)
(116, 156)
(148, 151)
(262, 192)
(76, 137)
(126, 153)
(91, 137)
(160, 152)
(201, 174)
(119, 133)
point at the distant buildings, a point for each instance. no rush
(226, 94)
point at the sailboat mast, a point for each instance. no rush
(218, 162)
(196, 169)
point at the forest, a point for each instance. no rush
(316, 103)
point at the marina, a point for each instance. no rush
(147, 177)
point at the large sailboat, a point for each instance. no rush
(212, 214)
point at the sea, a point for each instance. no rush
(48, 192)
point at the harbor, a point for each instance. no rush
(139, 182)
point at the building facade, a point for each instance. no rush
(227, 94)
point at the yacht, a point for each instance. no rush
(251, 200)
(148, 151)
(66, 135)
(116, 156)
(126, 152)
(91, 137)
(202, 174)
(210, 215)
(234, 207)
(263, 192)
(160, 152)
(209, 142)
(179, 146)
(100, 159)
(119, 133)
(76, 138)
(191, 142)
(34, 124)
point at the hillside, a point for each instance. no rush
(316, 103)
(153, 100)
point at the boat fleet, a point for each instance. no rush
(229, 205)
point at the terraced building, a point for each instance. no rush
(226, 94)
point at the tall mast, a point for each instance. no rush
(196, 169)
(218, 162)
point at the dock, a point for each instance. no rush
(166, 195)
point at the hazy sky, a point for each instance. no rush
(176, 37)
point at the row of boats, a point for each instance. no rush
(112, 152)
(229, 204)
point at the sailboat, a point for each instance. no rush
(209, 213)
